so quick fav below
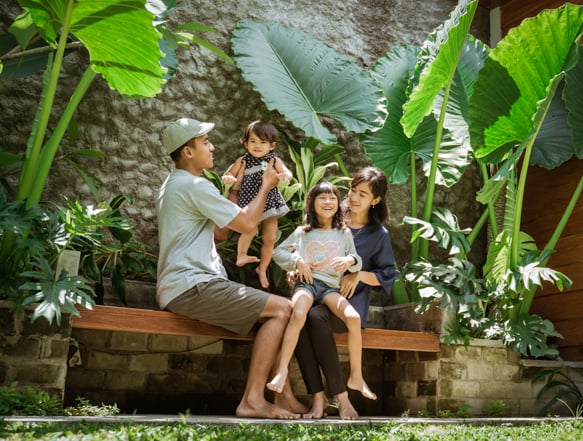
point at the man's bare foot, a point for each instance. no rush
(244, 260)
(345, 408)
(262, 273)
(361, 386)
(264, 409)
(319, 404)
(278, 382)
(288, 401)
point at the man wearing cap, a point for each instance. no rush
(191, 277)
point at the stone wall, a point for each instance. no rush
(168, 374)
(33, 354)
(474, 376)
(207, 88)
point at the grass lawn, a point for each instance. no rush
(545, 430)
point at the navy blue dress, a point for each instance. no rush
(373, 245)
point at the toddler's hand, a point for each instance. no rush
(284, 177)
(229, 179)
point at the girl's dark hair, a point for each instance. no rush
(377, 182)
(311, 218)
(263, 130)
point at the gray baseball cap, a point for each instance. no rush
(183, 130)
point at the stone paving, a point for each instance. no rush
(232, 420)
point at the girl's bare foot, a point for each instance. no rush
(262, 273)
(319, 404)
(345, 408)
(361, 386)
(264, 409)
(278, 382)
(244, 260)
(288, 401)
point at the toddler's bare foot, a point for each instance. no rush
(278, 382)
(361, 386)
(244, 260)
(262, 273)
(319, 404)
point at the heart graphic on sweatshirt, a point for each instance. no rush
(319, 254)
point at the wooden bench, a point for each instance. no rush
(115, 318)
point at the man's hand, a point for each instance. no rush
(270, 177)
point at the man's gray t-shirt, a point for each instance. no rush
(188, 208)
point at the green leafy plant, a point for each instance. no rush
(102, 236)
(27, 401)
(85, 408)
(512, 127)
(131, 45)
(427, 91)
(304, 79)
(477, 307)
(496, 409)
(455, 90)
(564, 390)
(125, 44)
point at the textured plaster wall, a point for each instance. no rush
(207, 88)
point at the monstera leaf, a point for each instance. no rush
(302, 78)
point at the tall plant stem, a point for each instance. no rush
(491, 209)
(413, 174)
(430, 191)
(50, 150)
(31, 162)
(552, 243)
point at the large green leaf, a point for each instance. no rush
(437, 64)
(122, 42)
(303, 78)
(514, 87)
(574, 103)
(390, 149)
(553, 144)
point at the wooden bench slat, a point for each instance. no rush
(115, 318)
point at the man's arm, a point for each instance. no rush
(248, 219)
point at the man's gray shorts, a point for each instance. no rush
(224, 303)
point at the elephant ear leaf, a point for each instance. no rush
(302, 78)
(438, 62)
(120, 36)
(527, 65)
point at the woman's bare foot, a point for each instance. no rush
(262, 273)
(361, 386)
(288, 401)
(319, 404)
(345, 408)
(244, 260)
(264, 409)
(278, 382)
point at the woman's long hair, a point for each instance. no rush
(311, 218)
(377, 182)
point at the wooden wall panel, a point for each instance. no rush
(547, 194)
(512, 12)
